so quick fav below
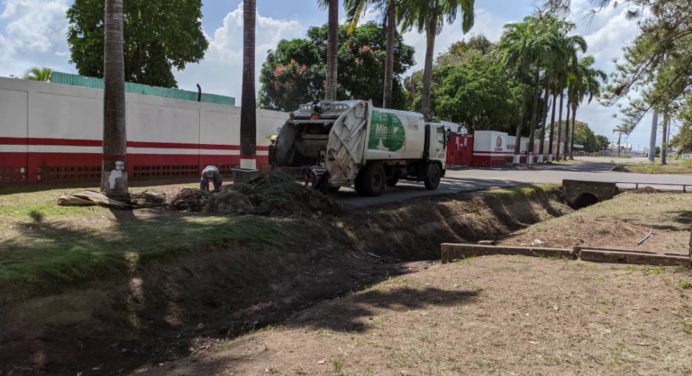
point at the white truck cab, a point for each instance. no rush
(352, 143)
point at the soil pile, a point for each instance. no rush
(272, 194)
(190, 199)
(645, 190)
(620, 168)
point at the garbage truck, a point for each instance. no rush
(333, 144)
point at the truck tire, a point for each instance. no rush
(391, 182)
(372, 180)
(433, 176)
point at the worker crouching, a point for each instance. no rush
(210, 173)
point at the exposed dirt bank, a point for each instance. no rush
(161, 309)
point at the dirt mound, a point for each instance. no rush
(620, 168)
(272, 194)
(190, 199)
(645, 190)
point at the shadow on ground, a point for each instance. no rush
(163, 280)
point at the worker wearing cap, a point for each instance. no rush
(210, 173)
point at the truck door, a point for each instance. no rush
(346, 145)
(438, 144)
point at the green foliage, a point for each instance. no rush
(684, 284)
(583, 135)
(471, 87)
(478, 94)
(160, 35)
(463, 51)
(38, 74)
(683, 139)
(295, 72)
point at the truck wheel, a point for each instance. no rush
(433, 176)
(392, 182)
(372, 180)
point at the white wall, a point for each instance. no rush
(43, 110)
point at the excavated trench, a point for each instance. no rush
(164, 310)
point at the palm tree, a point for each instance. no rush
(584, 80)
(524, 47)
(620, 130)
(248, 110)
(430, 17)
(568, 47)
(332, 46)
(39, 74)
(354, 9)
(114, 165)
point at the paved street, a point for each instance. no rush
(462, 180)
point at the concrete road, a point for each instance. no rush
(464, 180)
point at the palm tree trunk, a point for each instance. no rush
(571, 137)
(552, 129)
(248, 109)
(559, 126)
(544, 120)
(534, 116)
(619, 137)
(114, 163)
(517, 138)
(332, 47)
(427, 70)
(664, 141)
(565, 149)
(389, 59)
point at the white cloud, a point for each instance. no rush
(607, 31)
(34, 35)
(221, 70)
(485, 24)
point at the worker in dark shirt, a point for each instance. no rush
(210, 173)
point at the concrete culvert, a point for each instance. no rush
(584, 200)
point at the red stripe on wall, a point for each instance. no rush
(137, 144)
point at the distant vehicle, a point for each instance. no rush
(352, 143)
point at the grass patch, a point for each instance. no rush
(57, 255)
(684, 284)
(687, 325)
(673, 167)
(515, 193)
(45, 247)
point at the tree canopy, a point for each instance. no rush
(295, 72)
(160, 35)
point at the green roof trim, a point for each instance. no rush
(131, 87)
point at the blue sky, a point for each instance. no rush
(32, 33)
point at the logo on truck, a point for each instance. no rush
(386, 132)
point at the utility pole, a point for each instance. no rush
(652, 140)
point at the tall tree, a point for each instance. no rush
(584, 82)
(354, 9)
(114, 165)
(248, 106)
(160, 35)
(294, 73)
(38, 74)
(525, 48)
(429, 17)
(332, 47)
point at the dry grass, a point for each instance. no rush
(620, 223)
(489, 315)
(674, 166)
